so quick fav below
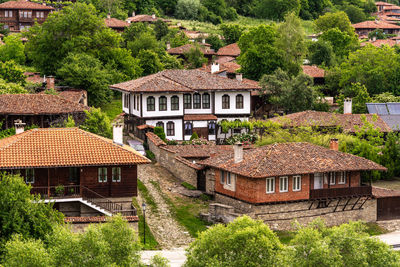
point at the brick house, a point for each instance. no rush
(83, 173)
(19, 15)
(365, 27)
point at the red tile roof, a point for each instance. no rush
(348, 122)
(380, 42)
(181, 50)
(24, 5)
(115, 23)
(229, 67)
(74, 95)
(232, 50)
(380, 3)
(144, 18)
(34, 104)
(290, 159)
(63, 147)
(224, 59)
(33, 77)
(313, 71)
(391, 7)
(379, 192)
(199, 117)
(181, 81)
(195, 34)
(97, 219)
(375, 25)
(145, 126)
(157, 141)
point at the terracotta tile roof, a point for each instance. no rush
(380, 3)
(229, 67)
(224, 59)
(391, 7)
(145, 126)
(327, 119)
(290, 159)
(157, 141)
(232, 50)
(313, 71)
(62, 147)
(379, 192)
(181, 81)
(97, 219)
(115, 23)
(375, 25)
(33, 104)
(144, 18)
(387, 17)
(74, 95)
(191, 164)
(380, 42)
(181, 50)
(33, 77)
(199, 117)
(195, 34)
(24, 5)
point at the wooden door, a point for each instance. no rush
(201, 132)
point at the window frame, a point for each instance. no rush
(212, 130)
(162, 103)
(127, 101)
(294, 183)
(170, 130)
(187, 101)
(332, 176)
(205, 104)
(286, 179)
(151, 106)
(228, 178)
(239, 101)
(114, 171)
(160, 124)
(30, 176)
(174, 102)
(138, 102)
(342, 178)
(226, 101)
(272, 180)
(222, 177)
(188, 130)
(196, 97)
(102, 174)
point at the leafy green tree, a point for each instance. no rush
(321, 53)
(13, 49)
(258, 52)
(243, 242)
(149, 62)
(311, 9)
(338, 20)
(160, 29)
(176, 38)
(215, 42)
(12, 73)
(11, 88)
(86, 72)
(69, 122)
(97, 122)
(359, 95)
(195, 58)
(168, 6)
(341, 42)
(231, 32)
(169, 61)
(385, 98)
(20, 214)
(146, 41)
(378, 34)
(159, 131)
(355, 13)
(276, 9)
(243, 7)
(187, 9)
(135, 30)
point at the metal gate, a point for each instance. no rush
(388, 208)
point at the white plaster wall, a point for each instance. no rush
(198, 124)
(168, 112)
(232, 110)
(178, 127)
(135, 110)
(201, 110)
(126, 110)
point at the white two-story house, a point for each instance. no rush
(184, 102)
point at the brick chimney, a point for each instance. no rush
(19, 126)
(214, 67)
(118, 134)
(334, 144)
(347, 106)
(50, 82)
(239, 77)
(238, 152)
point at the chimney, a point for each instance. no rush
(179, 24)
(204, 65)
(238, 152)
(108, 16)
(168, 45)
(203, 41)
(374, 39)
(347, 106)
(334, 144)
(50, 82)
(239, 77)
(133, 13)
(153, 16)
(19, 126)
(117, 134)
(214, 67)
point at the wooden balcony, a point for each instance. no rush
(329, 193)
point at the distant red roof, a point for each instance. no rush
(380, 3)
(144, 18)
(232, 50)
(199, 117)
(24, 5)
(380, 42)
(313, 71)
(144, 126)
(115, 23)
(181, 50)
(375, 25)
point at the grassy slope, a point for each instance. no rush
(113, 108)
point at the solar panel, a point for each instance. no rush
(377, 108)
(371, 108)
(394, 108)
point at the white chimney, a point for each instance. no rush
(108, 16)
(117, 133)
(214, 67)
(133, 13)
(347, 106)
(374, 39)
(179, 24)
(239, 77)
(153, 16)
(168, 45)
(19, 126)
(238, 152)
(203, 41)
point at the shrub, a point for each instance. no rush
(188, 186)
(150, 155)
(159, 131)
(194, 136)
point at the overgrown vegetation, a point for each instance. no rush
(151, 242)
(148, 198)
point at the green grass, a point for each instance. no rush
(148, 199)
(374, 229)
(188, 186)
(113, 108)
(151, 242)
(186, 212)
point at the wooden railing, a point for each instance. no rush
(57, 191)
(327, 193)
(99, 200)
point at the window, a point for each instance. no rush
(73, 175)
(187, 101)
(138, 102)
(222, 178)
(237, 130)
(25, 14)
(170, 128)
(126, 100)
(206, 100)
(228, 178)
(174, 103)
(30, 176)
(134, 102)
(196, 101)
(239, 101)
(332, 178)
(341, 177)
(297, 183)
(39, 14)
(225, 102)
(162, 103)
(283, 184)
(160, 124)
(270, 186)
(102, 175)
(8, 14)
(151, 103)
(211, 127)
(116, 174)
(188, 128)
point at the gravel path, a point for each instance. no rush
(165, 229)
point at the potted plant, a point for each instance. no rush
(59, 190)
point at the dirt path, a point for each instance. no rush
(165, 229)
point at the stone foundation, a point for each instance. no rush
(282, 216)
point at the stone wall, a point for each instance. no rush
(282, 216)
(210, 181)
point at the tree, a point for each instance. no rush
(215, 42)
(243, 242)
(231, 32)
(160, 29)
(13, 49)
(342, 42)
(149, 62)
(195, 58)
(359, 95)
(12, 73)
(187, 9)
(176, 38)
(385, 98)
(321, 53)
(135, 30)
(338, 20)
(355, 13)
(86, 72)
(292, 40)
(146, 41)
(258, 53)
(11, 88)
(168, 6)
(378, 34)
(20, 214)
(311, 9)
(97, 122)
(159, 131)
(276, 9)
